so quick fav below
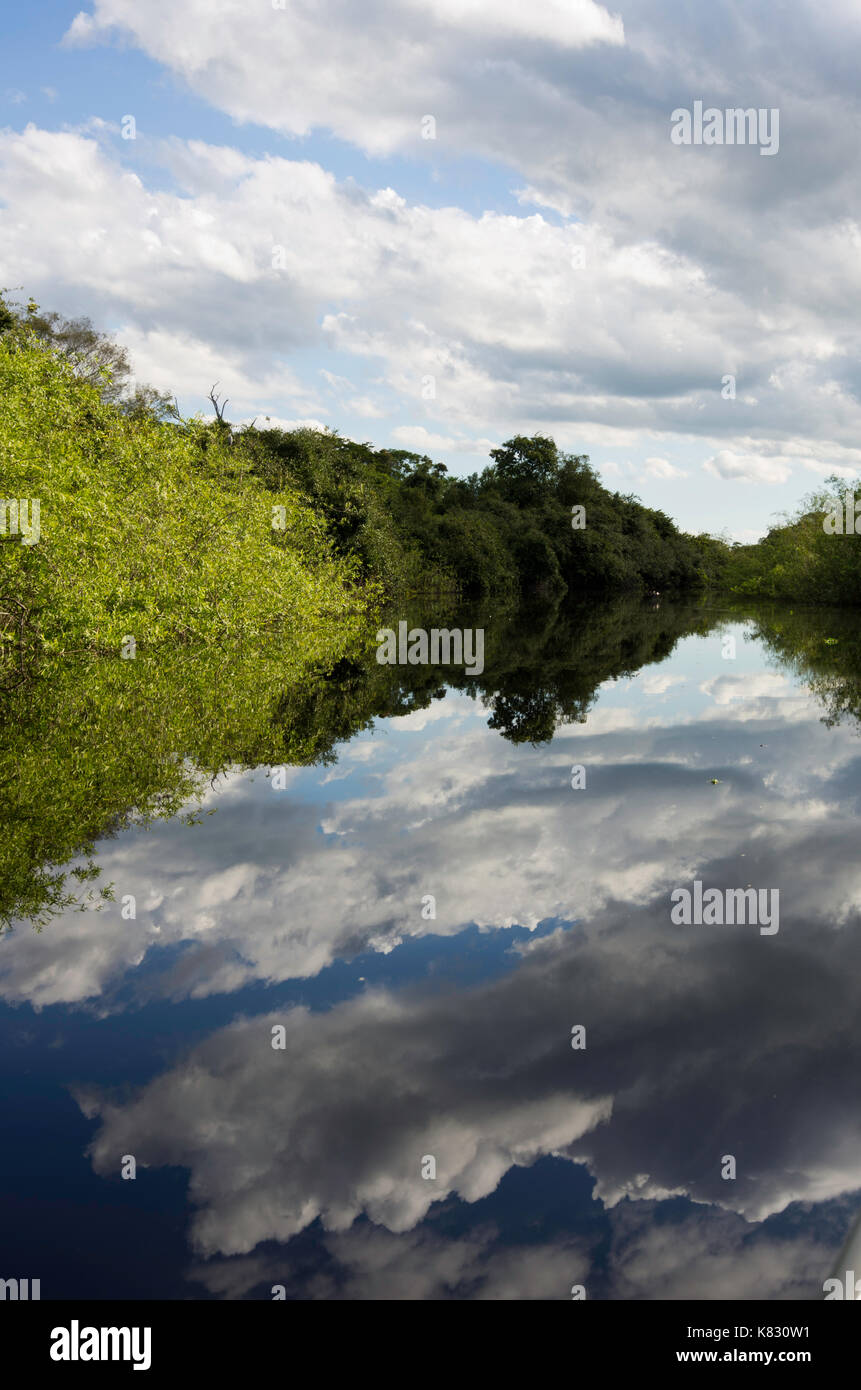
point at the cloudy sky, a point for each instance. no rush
(434, 223)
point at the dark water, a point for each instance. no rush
(306, 901)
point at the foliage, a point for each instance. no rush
(146, 506)
(804, 558)
(154, 530)
(507, 530)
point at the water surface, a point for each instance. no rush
(398, 871)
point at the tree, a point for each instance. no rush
(526, 467)
(95, 357)
(147, 401)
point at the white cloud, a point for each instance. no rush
(289, 1174)
(756, 279)
(662, 468)
(488, 305)
(748, 468)
(422, 440)
(425, 441)
(412, 53)
(569, 23)
(826, 469)
(705, 1254)
(659, 682)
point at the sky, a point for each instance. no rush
(433, 224)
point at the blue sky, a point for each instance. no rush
(549, 261)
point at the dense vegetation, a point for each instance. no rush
(188, 530)
(814, 557)
(150, 530)
(165, 529)
(514, 528)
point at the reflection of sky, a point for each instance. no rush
(409, 1036)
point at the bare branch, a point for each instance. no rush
(217, 404)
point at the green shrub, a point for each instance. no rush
(154, 530)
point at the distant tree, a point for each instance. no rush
(403, 522)
(94, 356)
(147, 401)
(526, 467)
(428, 476)
(577, 480)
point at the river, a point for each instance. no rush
(384, 998)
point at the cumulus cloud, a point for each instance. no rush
(368, 1262)
(750, 686)
(662, 468)
(748, 468)
(398, 48)
(711, 1255)
(290, 1172)
(659, 682)
(247, 261)
(424, 441)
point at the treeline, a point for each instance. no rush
(812, 557)
(536, 519)
(171, 529)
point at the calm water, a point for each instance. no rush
(307, 899)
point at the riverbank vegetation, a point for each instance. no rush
(163, 529)
(811, 557)
(160, 529)
(536, 519)
(151, 531)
